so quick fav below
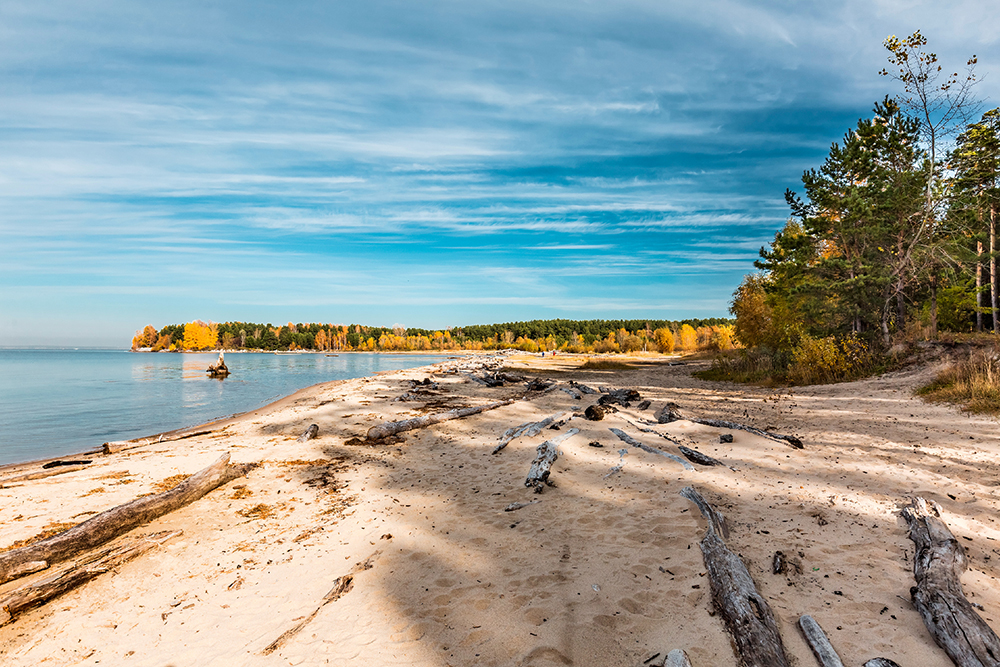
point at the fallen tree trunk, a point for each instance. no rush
(116, 521)
(40, 592)
(747, 616)
(937, 567)
(122, 445)
(820, 644)
(629, 440)
(671, 413)
(310, 433)
(541, 467)
(41, 474)
(528, 430)
(392, 428)
(582, 387)
(699, 458)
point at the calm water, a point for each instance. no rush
(58, 402)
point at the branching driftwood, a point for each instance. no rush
(528, 430)
(820, 644)
(629, 440)
(541, 467)
(116, 521)
(746, 614)
(671, 413)
(938, 566)
(77, 574)
(392, 428)
(341, 586)
(310, 433)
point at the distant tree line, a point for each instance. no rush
(533, 336)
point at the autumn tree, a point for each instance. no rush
(199, 336)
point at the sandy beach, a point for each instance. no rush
(603, 568)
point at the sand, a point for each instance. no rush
(601, 570)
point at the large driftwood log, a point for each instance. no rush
(699, 458)
(629, 440)
(116, 521)
(309, 433)
(541, 467)
(820, 644)
(77, 574)
(122, 445)
(671, 413)
(528, 430)
(41, 474)
(392, 428)
(219, 368)
(746, 614)
(938, 566)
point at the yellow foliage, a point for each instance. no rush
(688, 338)
(199, 336)
(664, 339)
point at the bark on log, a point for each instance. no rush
(42, 474)
(40, 592)
(392, 428)
(677, 658)
(574, 394)
(623, 397)
(116, 521)
(528, 429)
(937, 567)
(699, 458)
(747, 616)
(880, 662)
(629, 440)
(122, 445)
(670, 413)
(582, 387)
(820, 644)
(541, 467)
(310, 433)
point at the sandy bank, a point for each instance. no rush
(600, 571)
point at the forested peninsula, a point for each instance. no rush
(531, 336)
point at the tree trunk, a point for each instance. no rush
(900, 310)
(938, 566)
(116, 521)
(392, 428)
(820, 644)
(38, 593)
(670, 413)
(629, 440)
(993, 270)
(979, 286)
(746, 614)
(541, 467)
(934, 310)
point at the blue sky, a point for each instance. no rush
(420, 163)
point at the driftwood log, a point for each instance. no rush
(546, 455)
(77, 574)
(122, 445)
(116, 521)
(629, 440)
(747, 616)
(671, 413)
(937, 567)
(528, 430)
(623, 397)
(392, 428)
(677, 658)
(820, 644)
(309, 433)
(880, 662)
(582, 387)
(218, 369)
(574, 394)
(695, 456)
(40, 474)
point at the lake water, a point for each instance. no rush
(59, 402)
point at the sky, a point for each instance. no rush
(428, 164)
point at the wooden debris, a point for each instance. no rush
(541, 467)
(880, 662)
(392, 428)
(643, 406)
(528, 429)
(540, 384)
(513, 507)
(670, 413)
(122, 445)
(116, 521)
(623, 397)
(40, 474)
(820, 644)
(699, 458)
(582, 387)
(629, 440)
(60, 463)
(677, 658)
(218, 369)
(68, 578)
(746, 614)
(937, 567)
(309, 434)
(595, 413)
(779, 564)
(574, 394)
(341, 586)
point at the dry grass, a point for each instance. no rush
(99, 489)
(258, 511)
(169, 483)
(604, 365)
(54, 528)
(301, 462)
(240, 492)
(973, 383)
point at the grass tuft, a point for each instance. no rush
(605, 365)
(973, 383)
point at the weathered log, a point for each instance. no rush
(68, 578)
(341, 586)
(309, 434)
(60, 463)
(116, 521)
(746, 615)
(937, 567)
(699, 458)
(671, 413)
(122, 445)
(880, 662)
(677, 658)
(513, 507)
(574, 394)
(528, 429)
(820, 644)
(629, 440)
(643, 405)
(541, 467)
(582, 387)
(392, 428)
(540, 384)
(623, 397)
(218, 369)
(40, 474)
